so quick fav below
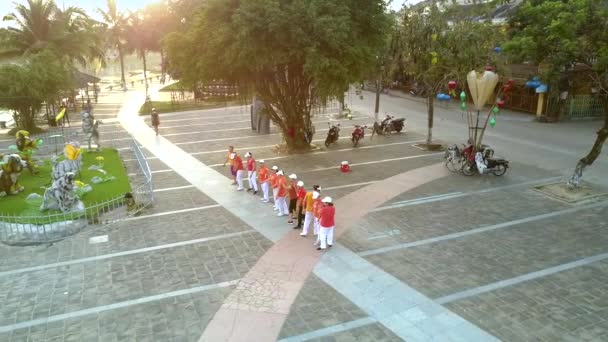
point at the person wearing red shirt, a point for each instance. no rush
(301, 195)
(281, 194)
(293, 197)
(327, 224)
(251, 173)
(264, 179)
(240, 171)
(274, 184)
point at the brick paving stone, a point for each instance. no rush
(168, 180)
(423, 221)
(154, 164)
(369, 333)
(318, 306)
(91, 284)
(177, 200)
(566, 306)
(180, 318)
(447, 267)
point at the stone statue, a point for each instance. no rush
(71, 163)
(11, 166)
(89, 128)
(61, 194)
(26, 147)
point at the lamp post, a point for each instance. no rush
(378, 85)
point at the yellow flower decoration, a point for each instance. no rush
(80, 184)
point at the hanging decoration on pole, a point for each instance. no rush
(452, 88)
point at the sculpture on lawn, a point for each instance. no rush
(26, 147)
(61, 195)
(11, 166)
(90, 129)
(71, 163)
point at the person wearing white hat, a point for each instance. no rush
(251, 173)
(281, 194)
(326, 233)
(308, 205)
(293, 198)
(274, 184)
(264, 178)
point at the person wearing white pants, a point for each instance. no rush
(240, 172)
(282, 194)
(326, 233)
(274, 184)
(309, 202)
(251, 173)
(263, 177)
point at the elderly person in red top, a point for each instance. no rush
(281, 194)
(327, 224)
(251, 173)
(301, 195)
(240, 171)
(264, 178)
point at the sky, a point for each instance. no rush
(6, 6)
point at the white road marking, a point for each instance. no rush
(172, 212)
(174, 188)
(375, 162)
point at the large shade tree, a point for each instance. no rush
(291, 53)
(116, 24)
(562, 35)
(438, 45)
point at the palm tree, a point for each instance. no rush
(116, 24)
(142, 37)
(33, 31)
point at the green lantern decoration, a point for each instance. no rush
(463, 106)
(492, 122)
(495, 110)
(463, 96)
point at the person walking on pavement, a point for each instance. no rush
(293, 197)
(88, 107)
(240, 171)
(264, 178)
(316, 208)
(327, 224)
(251, 173)
(308, 205)
(301, 195)
(274, 184)
(155, 120)
(232, 163)
(283, 187)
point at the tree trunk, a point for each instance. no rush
(122, 69)
(602, 135)
(377, 106)
(26, 119)
(431, 114)
(162, 63)
(143, 57)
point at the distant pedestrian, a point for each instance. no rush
(88, 107)
(232, 163)
(66, 115)
(264, 178)
(274, 184)
(240, 171)
(327, 224)
(155, 120)
(301, 195)
(282, 194)
(308, 205)
(251, 173)
(293, 197)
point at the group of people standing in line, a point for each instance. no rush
(307, 208)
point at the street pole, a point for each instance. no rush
(377, 108)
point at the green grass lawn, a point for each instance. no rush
(173, 87)
(18, 206)
(168, 107)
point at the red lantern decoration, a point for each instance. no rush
(500, 104)
(489, 68)
(452, 85)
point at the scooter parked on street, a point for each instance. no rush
(358, 134)
(483, 162)
(388, 125)
(333, 134)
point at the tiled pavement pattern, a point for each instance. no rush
(569, 305)
(318, 306)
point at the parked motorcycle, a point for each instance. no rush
(358, 134)
(333, 134)
(484, 162)
(389, 125)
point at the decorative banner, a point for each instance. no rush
(481, 86)
(60, 115)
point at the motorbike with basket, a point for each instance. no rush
(483, 161)
(358, 134)
(333, 134)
